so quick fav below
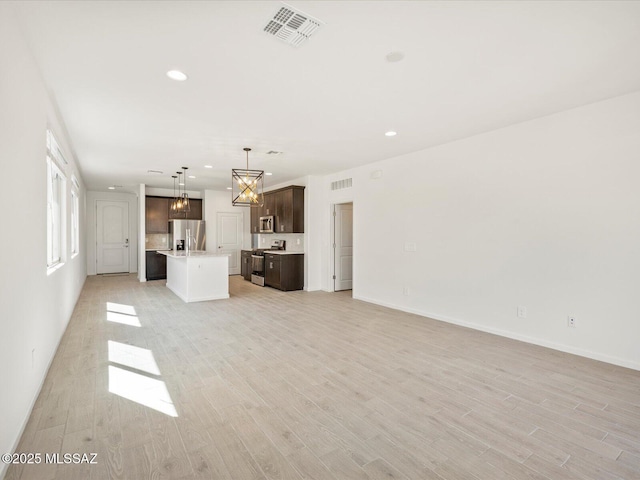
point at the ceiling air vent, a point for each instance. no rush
(292, 26)
(340, 184)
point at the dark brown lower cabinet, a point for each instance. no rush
(156, 266)
(245, 265)
(284, 272)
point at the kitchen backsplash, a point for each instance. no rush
(294, 241)
(156, 240)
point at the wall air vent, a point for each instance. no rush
(291, 25)
(340, 184)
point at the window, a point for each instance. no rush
(75, 223)
(56, 188)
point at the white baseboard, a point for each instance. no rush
(513, 335)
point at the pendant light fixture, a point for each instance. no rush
(178, 200)
(174, 202)
(247, 186)
(186, 206)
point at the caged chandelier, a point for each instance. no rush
(247, 186)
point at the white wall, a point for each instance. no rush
(542, 214)
(34, 307)
(216, 201)
(132, 199)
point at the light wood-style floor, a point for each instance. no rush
(273, 385)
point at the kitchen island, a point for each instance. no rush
(197, 276)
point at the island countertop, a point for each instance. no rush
(194, 253)
(282, 252)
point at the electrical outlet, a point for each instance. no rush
(571, 321)
(522, 311)
(405, 291)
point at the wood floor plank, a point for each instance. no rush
(270, 460)
(342, 466)
(316, 385)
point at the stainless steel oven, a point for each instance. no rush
(267, 224)
(257, 268)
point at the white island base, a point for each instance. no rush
(198, 276)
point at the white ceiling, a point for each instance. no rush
(469, 67)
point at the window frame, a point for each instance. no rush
(56, 206)
(75, 222)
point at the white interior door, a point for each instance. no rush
(112, 237)
(343, 247)
(230, 238)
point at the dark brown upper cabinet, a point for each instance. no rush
(157, 214)
(286, 205)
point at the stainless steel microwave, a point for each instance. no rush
(267, 224)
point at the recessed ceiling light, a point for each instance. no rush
(394, 57)
(192, 176)
(176, 75)
(181, 184)
(268, 173)
(111, 188)
(391, 133)
(229, 188)
(208, 166)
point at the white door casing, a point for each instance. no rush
(343, 247)
(112, 237)
(230, 238)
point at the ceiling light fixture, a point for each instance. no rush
(186, 205)
(177, 75)
(111, 188)
(391, 133)
(176, 204)
(208, 166)
(394, 57)
(247, 186)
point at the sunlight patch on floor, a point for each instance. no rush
(131, 356)
(124, 314)
(137, 385)
(141, 389)
(124, 319)
(121, 308)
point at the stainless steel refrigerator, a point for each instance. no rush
(178, 234)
